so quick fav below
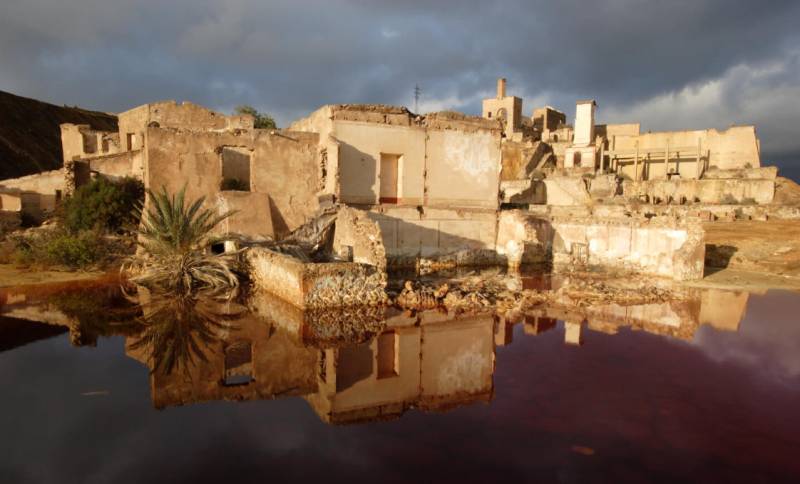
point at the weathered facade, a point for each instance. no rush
(438, 189)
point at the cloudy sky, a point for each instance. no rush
(676, 64)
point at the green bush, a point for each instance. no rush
(103, 205)
(260, 120)
(59, 247)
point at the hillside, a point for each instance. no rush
(30, 139)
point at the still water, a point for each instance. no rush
(98, 386)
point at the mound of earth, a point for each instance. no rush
(30, 137)
(787, 192)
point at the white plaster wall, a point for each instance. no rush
(463, 168)
(584, 124)
(360, 148)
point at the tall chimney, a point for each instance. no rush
(501, 88)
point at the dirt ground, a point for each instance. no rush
(13, 275)
(767, 247)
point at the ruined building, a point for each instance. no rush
(434, 190)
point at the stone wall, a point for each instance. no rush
(359, 237)
(251, 216)
(316, 285)
(120, 165)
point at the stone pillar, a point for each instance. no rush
(501, 88)
(69, 177)
(584, 123)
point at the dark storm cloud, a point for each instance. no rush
(289, 57)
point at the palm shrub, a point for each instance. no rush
(179, 332)
(175, 240)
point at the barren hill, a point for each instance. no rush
(30, 139)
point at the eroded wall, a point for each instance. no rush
(409, 233)
(283, 166)
(643, 246)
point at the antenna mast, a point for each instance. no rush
(417, 92)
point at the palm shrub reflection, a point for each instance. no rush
(180, 331)
(176, 240)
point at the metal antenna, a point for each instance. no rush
(417, 92)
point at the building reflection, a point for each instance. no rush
(350, 365)
(428, 361)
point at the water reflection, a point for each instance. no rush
(350, 365)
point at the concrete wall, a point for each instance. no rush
(360, 148)
(446, 159)
(409, 234)
(609, 131)
(736, 147)
(463, 168)
(714, 191)
(584, 123)
(639, 246)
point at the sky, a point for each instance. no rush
(682, 64)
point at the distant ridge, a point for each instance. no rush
(30, 139)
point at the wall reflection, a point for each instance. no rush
(350, 365)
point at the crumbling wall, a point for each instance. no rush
(359, 238)
(120, 165)
(252, 215)
(518, 239)
(410, 234)
(566, 190)
(519, 160)
(711, 191)
(81, 141)
(45, 187)
(636, 245)
(316, 285)
(283, 166)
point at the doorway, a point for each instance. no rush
(389, 175)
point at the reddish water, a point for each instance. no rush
(636, 406)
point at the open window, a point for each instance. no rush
(388, 357)
(235, 169)
(390, 177)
